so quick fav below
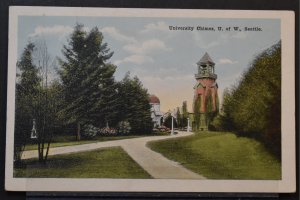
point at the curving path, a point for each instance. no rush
(154, 163)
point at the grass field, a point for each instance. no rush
(218, 155)
(104, 163)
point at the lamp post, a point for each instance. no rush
(172, 131)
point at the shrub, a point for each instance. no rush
(253, 107)
(124, 128)
(106, 131)
(90, 131)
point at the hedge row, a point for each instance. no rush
(252, 108)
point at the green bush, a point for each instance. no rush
(123, 128)
(253, 107)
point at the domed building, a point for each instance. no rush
(156, 114)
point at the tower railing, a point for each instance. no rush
(206, 75)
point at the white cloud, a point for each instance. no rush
(141, 51)
(159, 26)
(136, 59)
(117, 35)
(147, 47)
(226, 61)
(51, 30)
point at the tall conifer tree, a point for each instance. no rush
(87, 78)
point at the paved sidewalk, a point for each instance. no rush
(154, 163)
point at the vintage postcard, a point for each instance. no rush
(150, 100)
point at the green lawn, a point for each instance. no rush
(221, 156)
(104, 163)
(60, 141)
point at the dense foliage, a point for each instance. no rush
(253, 107)
(92, 96)
(87, 78)
(168, 122)
(27, 90)
(86, 95)
(182, 116)
(134, 105)
(37, 103)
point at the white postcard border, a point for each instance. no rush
(288, 182)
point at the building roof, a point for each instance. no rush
(153, 99)
(205, 60)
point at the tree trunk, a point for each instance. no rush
(47, 151)
(40, 152)
(78, 132)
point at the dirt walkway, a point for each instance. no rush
(154, 163)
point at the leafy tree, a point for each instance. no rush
(224, 121)
(87, 78)
(36, 101)
(184, 114)
(179, 117)
(134, 105)
(253, 107)
(51, 123)
(27, 90)
(47, 101)
(168, 122)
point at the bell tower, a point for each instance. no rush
(206, 68)
(206, 102)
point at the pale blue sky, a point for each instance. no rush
(164, 60)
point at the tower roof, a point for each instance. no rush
(153, 99)
(205, 60)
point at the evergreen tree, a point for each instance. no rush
(185, 114)
(87, 78)
(27, 90)
(134, 105)
(168, 121)
(179, 117)
(29, 79)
